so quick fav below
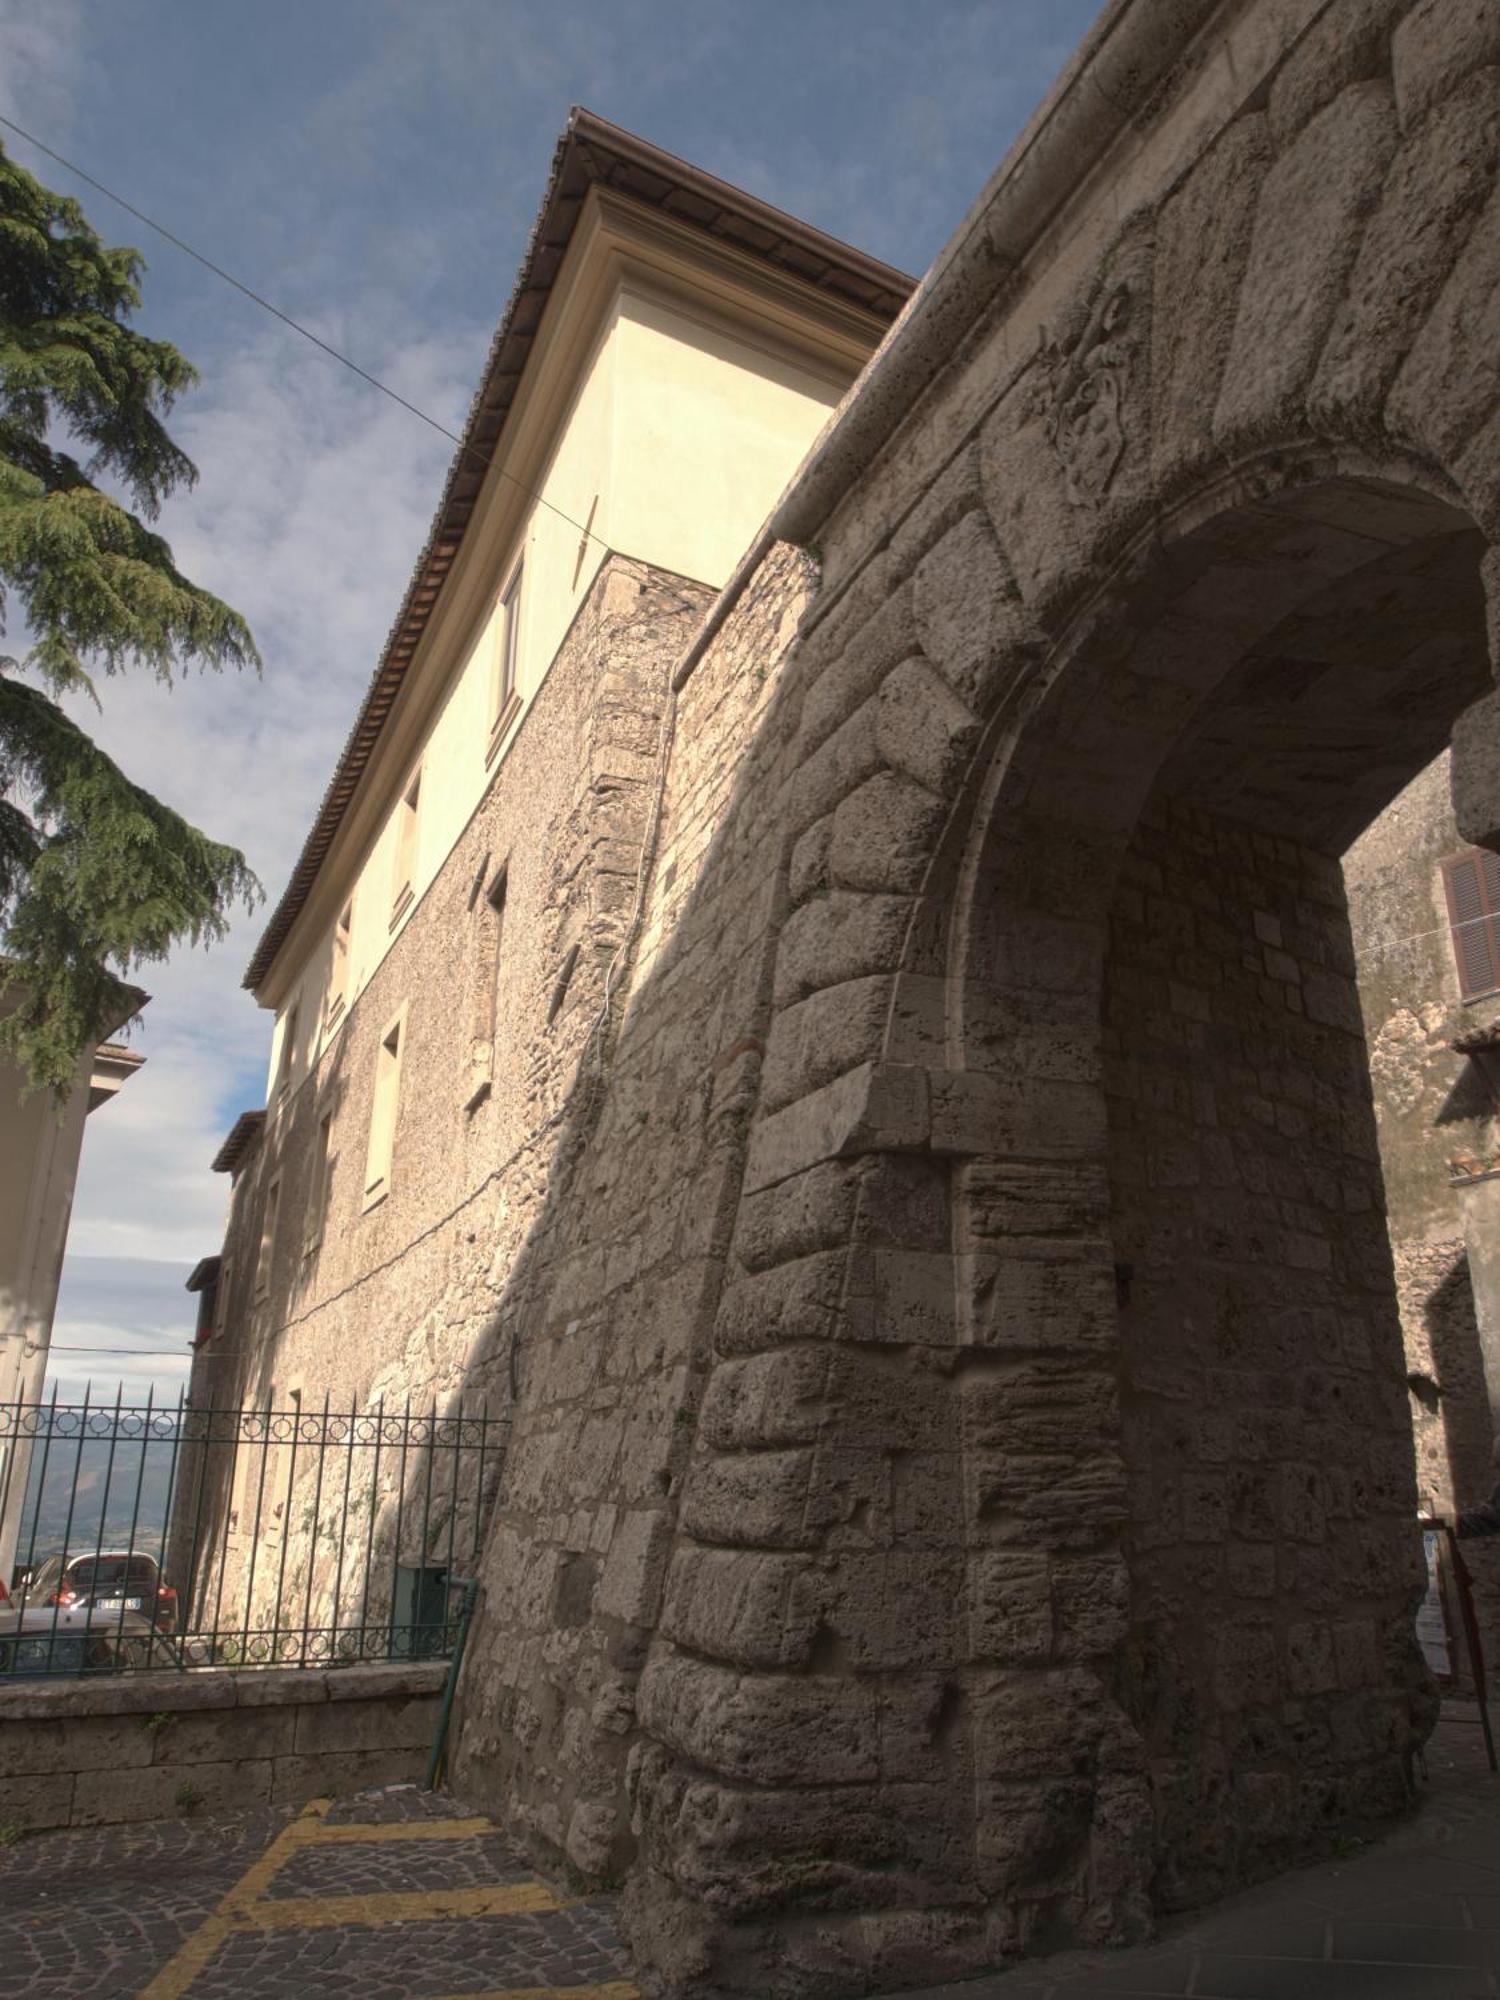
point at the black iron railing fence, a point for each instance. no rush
(178, 1536)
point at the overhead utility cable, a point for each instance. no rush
(334, 353)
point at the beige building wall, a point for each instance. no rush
(40, 1142)
(678, 417)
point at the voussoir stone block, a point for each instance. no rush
(1348, 43)
(1437, 44)
(799, 1300)
(839, 937)
(857, 661)
(884, 834)
(809, 865)
(1434, 194)
(808, 1212)
(1202, 244)
(968, 609)
(875, 1106)
(819, 1038)
(923, 728)
(1313, 206)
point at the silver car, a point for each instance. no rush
(50, 1641)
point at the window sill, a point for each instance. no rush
(402, 904)
(374, 1196)
(500, 728)
(477, 1096)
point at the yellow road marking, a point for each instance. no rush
(398, 1829)
(396, 1906)
(178, 1974)
(617, 1989)
(246, 1907)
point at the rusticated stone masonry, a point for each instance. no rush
(961, 1500)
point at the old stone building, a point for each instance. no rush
(961, 1493)
(463, 914)
(1429, 982)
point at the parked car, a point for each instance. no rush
(110, 1581)
(66, 1640)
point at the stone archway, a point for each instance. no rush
(877, 1660)
(890, 1720)
(1179, 1304)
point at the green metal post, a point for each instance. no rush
(470, 1587)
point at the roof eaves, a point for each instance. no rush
(589, 150)
(241, 1136)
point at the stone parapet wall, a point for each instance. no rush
(160, 1746)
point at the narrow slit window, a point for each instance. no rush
(495, 897)
(406, 845)
(507, 649)
(564, 981)
(267, 1239)
(1472, 881)
(338, 969)
(382, 1147)
(287, 1054)
(322, 1182)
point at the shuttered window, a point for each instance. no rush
(1473, 883)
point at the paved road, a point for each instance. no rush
(398, 1895)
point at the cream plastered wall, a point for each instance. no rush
(682, 432)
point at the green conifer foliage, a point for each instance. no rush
(96, 876)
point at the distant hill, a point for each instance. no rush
(82, 1496)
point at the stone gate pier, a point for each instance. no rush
(961, 1499)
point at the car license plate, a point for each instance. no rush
(118, 1604)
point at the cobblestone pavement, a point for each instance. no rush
(386, 1895)
(398, 1895)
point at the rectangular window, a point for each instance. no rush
(221, 1295)
(287, 1054)
(267, 1239)
(1473, 885)
(406, 845)
(338, 970)
(322, 1182)
(507, 642)
(383, 1111)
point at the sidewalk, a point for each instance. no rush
(398, 1895)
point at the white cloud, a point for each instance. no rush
(44, 59)
(108, 1304)
(313, 503)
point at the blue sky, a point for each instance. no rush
(374, 166)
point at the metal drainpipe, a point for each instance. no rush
(470, 1587)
